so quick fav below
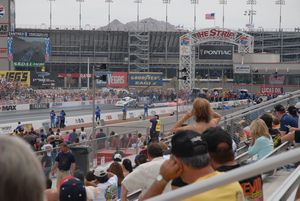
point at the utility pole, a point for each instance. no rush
(94, 102)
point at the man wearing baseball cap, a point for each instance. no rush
(72, 189)
(190, 160)
(222, 159)
(107, 184)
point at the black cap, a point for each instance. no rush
(216, 136)
(187, 144)
(279, 108)
(72, 190)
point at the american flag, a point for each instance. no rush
(210, 16)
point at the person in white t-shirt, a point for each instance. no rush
(144, 175)
(83, 135)
(107, 185)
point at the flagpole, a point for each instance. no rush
(215, 21)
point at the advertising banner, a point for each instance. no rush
(74, 75)
(271, 90)
(38, 106)
(241, 69)
(117, 79)
(30, 49)
(185, 48)
(14, 107)
(279, 79)
(216, 34)
(215, 52)
(4, 27)
(145, 79)
(23, 77)
(4, 12)
(43, 79)
(3, 52)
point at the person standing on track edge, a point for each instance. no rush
(62, 119)
(154, 129)
(124, 110)
(145, 110)
(52, 119)
(98, 114)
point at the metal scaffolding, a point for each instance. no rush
(138, 51)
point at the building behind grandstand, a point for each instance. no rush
(275, 61)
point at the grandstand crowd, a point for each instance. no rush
(196, 152)
(15, 93)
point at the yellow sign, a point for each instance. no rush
(23, 77)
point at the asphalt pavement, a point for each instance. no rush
(15, 116)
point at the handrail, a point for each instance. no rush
(259, 107)
(278, 99)
(231, 176)
(87, 141)
(287, 187)
(134, 195)
(275, 150)
(241, 148)
(239, 157)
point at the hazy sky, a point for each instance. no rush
(94, 12)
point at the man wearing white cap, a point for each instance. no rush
(107, 184)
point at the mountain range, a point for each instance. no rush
(148, 24)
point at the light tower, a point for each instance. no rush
(108, 17)
(166, 2)
(195, 2)
(50, 2)
(80, 2)
(138, 2)
(251, 12)
(223, 3)
(280, 3)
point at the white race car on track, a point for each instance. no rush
(128, 101)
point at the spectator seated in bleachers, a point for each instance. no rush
(221, 154)
(143, 176)
(261, 143)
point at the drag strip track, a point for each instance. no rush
(15, 116)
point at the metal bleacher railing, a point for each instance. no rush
(231, 176)
(271, 162)
(252, 112)
(101, 149)
(287, 188)
(245, 156)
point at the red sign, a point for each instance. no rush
(215, 34)
(73, 75)
(271, 90)
(3, 52)
(117, 79)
